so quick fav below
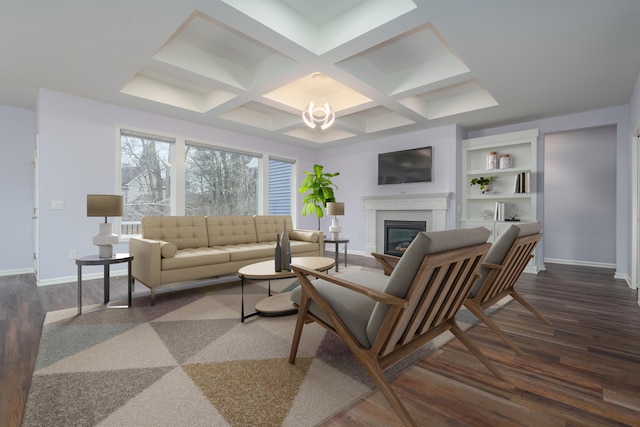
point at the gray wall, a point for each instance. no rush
(614, 116)
(16, 190)
(580, 196)
(78, 145)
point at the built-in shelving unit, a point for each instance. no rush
(520, 201)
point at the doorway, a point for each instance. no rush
(580, 197)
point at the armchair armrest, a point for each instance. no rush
(388, 262)
(146, 265)
(378, 296)
(492, 266)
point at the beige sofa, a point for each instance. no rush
(182, 248)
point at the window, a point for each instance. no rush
(280, 186)
(162, 175)
(145, 177)
(220, 182)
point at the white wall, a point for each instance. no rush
(580, 197)
(358, 167)
(618, 116)
(17, 142)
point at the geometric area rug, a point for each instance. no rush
(189, 360)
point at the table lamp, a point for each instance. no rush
(335, 209)
(105, 205)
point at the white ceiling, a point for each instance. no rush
(391, 66)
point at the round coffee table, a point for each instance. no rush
(280, 304)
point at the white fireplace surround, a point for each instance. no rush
(431, 208)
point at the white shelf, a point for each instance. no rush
(487, 196)
(477, 208)
(496, 171)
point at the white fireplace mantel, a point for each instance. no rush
(435, 205)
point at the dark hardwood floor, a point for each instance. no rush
(582, 371)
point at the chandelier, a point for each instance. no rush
(315, 115)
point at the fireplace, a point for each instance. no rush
(398, 235)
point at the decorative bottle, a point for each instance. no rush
(288, 257)
(278, 255)
(286, 250)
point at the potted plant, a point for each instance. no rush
(318, 187)
(483, 182)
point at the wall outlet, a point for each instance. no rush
(73, 254)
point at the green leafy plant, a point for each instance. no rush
(319, 189)
(483, 182)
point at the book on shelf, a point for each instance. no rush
(499, 212)
(522, 183)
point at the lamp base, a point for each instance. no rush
(105, 251)
(335, 229)
(105, 240)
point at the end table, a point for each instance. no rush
(106, 262)
(337, 242)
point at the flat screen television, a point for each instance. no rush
(401, 167)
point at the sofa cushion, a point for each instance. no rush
(268, 226)
(251, 251)
(183, 231)
(231, 230)
(194, 257)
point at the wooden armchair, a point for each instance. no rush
(382, 319)
(502, 268)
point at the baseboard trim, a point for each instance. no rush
(16, 271)
(580, 263)
(70, 279)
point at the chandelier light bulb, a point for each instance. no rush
(314, 115)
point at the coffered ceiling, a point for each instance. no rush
(388, 66)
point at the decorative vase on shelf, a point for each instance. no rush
(505, 161)
(492, 160)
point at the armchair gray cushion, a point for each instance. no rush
(362, 315)
(353, 308)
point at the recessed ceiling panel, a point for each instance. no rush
(171, 90)
(261, 116)
(319, 89)
(374, 120)
(208, 48)
(407, 62)
(456, 99)
(320, 136)
(320, 26)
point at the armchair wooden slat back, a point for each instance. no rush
(435, 296)
(413, 314)
(499, 281)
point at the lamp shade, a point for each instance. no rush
(335, 208)
(104, 205)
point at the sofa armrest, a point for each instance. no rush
(146, 260)
(312, 236)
